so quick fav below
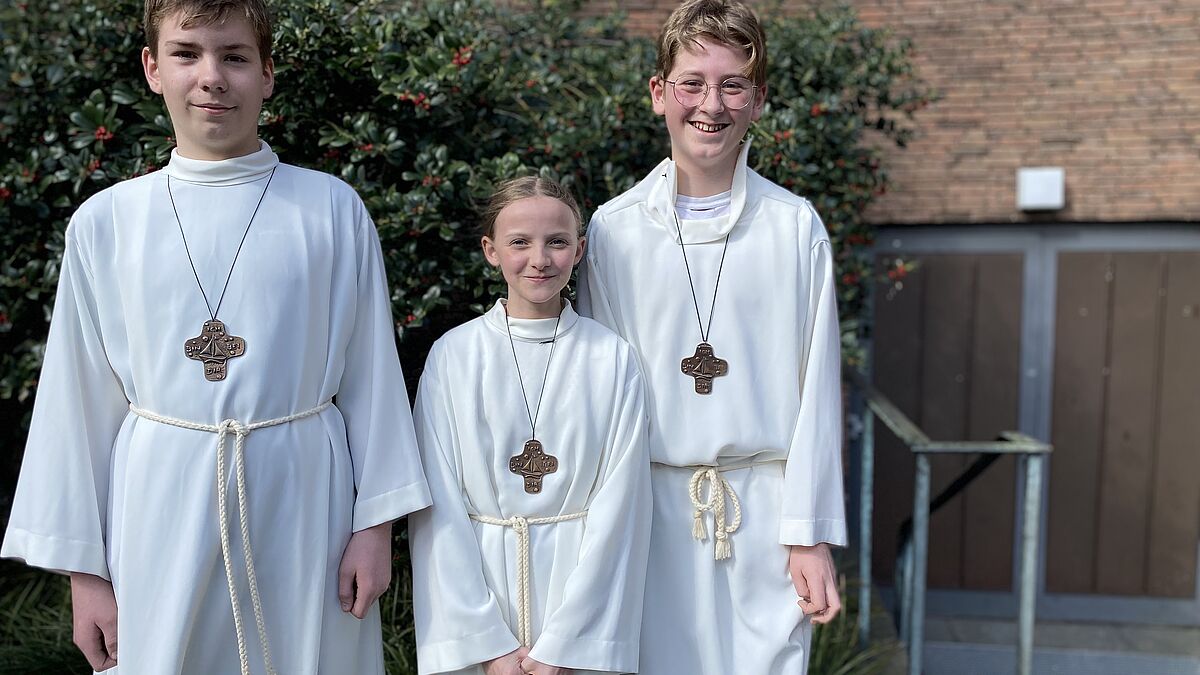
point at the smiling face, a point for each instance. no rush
(705, 139)
(536, 244)
(213, 80)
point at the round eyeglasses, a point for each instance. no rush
(735, 93)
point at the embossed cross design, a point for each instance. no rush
(213, 346)
(533, 464)
(704, 366)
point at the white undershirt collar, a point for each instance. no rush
(532, 330)
(232, 171)
(702, 208)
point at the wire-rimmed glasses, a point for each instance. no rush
(735, 93)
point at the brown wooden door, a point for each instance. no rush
(1124, 500)
(947, 352)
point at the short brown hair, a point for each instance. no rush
(522, 188)
(205, 12)
(724, 21)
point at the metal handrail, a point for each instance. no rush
(911, 596)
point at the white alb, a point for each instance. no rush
(135, 498)
(493, 565)
(772, 424)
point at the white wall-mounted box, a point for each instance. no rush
(1041, 188)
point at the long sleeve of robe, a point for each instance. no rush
(70, 443)
(812, 506)
(371, 395)
(587, 575)
(776, 412)
(109, 493)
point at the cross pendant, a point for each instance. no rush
(213, 346)
(533, 464)
(704, 366)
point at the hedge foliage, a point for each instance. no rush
(422, 107)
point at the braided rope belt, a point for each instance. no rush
(520, 526)
(720, 498)
(719, 490)
(240, 432)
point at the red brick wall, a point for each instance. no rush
(1107, 89)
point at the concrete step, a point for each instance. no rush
(958, 646)
(960, 658)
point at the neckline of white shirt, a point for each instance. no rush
(232, 171)
(694, 209)
(532, 330)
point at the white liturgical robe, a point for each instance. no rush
(772, 422)
(586, 574)
(111, 493)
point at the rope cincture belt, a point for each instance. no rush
(240, 431)
(719, 492)
(520, 525)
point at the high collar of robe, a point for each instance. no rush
(532, 330)
(665, 189)
(223, 172)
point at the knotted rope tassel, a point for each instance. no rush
(719, 490)
(520, 526)
(240, 431)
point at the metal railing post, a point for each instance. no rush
(916, 630)
(913, 557)
(1030, 523)
(904, 592)
(866, 511)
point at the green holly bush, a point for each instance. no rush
(422, 107)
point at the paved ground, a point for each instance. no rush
(956, 658)
(986, 647)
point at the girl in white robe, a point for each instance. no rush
(521, 567)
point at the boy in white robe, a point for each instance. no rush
(722, 281)
(221, 364)
(532, 431)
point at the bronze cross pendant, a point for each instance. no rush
(704, 366)
(533, 464)
(213, 346)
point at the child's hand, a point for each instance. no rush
(532, 667)
(366, 569)
(94, 613)
(815, 579)
(509, 664)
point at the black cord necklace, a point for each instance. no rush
(703, 365)
(533, 463)
(214, 345)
